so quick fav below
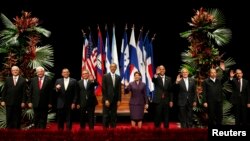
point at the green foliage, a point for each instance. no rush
(44, 57)
(2, 117)
(19, 45)
(27, 117)
(6, 22)
(228, 118)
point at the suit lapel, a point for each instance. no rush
(37, 82)
(44, 82)
(183, 84)
(243, 84)
(12, 81)
(116, 80)
(70, 80)
(110, 79)
(62, 84)
(189, 83)
(82, 84)
(88, 84)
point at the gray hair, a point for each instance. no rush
(14, 67)
(39, 68)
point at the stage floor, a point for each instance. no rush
(120, 125)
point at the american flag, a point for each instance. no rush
(89, 56)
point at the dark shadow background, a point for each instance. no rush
(167, 19)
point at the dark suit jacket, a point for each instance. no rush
(14, 95)
(66, 97)
(87, 96)
(236, 95)
(160, 90)
(185, 95)
(138, 93)
(41, 98)
(212, 91)
(110, 93)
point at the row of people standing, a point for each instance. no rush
(14, 97)
(73, 94)
(187, 97)
(163, 98)
(213, 96)
(70, 94)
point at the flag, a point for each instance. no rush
(107, 53)
(149, 66)
(140, 56)
(84, 52)
(89, 56)
(114, 52)
(100, 63)
(124, 59)
(133, 56)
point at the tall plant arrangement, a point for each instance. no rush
(20, 44)
(206, 36)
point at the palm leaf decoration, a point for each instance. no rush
(2, 117)
(42, 31)
(43, 57)
(1, 85)
(186, 34)
(191, 66)
(9, 34)
(9, 37)
(221, 36)
(229, 62)
(228, 118)
(219, 18)
(3, 50)
(6, 22)
(28, 113)
(21, 38)
(28, 116)
(51, 116)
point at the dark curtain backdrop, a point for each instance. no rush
(167, 19)
(65, 19)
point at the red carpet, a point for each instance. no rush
(123, 125)
(123, 132)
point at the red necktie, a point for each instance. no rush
(40, 83)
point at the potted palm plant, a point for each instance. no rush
(20, 44)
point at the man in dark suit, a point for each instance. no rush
(87, 99)
(163, 97)
(212, 91)
(66, 90)
(240, 97)
(187, 98)
(14, 97)
(111, 96)
(40, 98)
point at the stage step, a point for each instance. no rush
(123, 109)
